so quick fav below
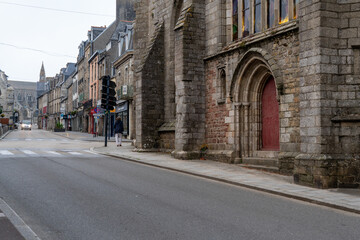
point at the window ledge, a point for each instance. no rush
(243, 42)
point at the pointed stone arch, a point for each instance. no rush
(251, 57)
(253, 71)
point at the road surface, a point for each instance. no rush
(64, 191)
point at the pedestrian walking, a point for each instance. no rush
(119, 129)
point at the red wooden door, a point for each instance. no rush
(270, 117)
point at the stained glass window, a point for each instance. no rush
(270, 13)
(235, 19)
(296, 2)
(246, 18)
(284, 11)
(257, 16)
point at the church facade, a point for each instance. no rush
(270, 82)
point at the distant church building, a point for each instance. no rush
(41, 86)
(25, 95)
(267, 82)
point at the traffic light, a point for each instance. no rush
(108, 99)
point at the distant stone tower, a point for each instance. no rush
(41, 84)
(125, 10)
(42, 74)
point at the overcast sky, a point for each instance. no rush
(57, 33)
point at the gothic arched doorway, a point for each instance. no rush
(270, 117)
(256, 118)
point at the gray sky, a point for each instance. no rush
(57, 33)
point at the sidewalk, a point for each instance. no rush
(343, 199)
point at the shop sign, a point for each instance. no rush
(122, 108)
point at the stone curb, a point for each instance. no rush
(17, 222)
(278, 193)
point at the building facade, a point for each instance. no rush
(255, 81)
(25, 94)
(123, 75)
(6, 97)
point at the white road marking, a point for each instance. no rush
(88, 151)
(74, 153)
(29, 152)
(18, 223)
(5, 152)
(28, 139)
(53, 152)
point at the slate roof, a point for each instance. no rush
(21, 85)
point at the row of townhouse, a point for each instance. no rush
(73, 97)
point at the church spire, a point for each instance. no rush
(42, 73)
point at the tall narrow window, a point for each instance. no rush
(223, 84)
(246, 18)
(235, 19)
(296, 2)
(284, 11)
(270, 13)
(257, 16)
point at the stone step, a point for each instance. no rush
(268, 162)
(266, 154)
(261, 168)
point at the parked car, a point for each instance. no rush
(26, 124)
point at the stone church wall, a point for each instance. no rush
(282, 53)
(329, 99)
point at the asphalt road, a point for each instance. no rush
(63, 191)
